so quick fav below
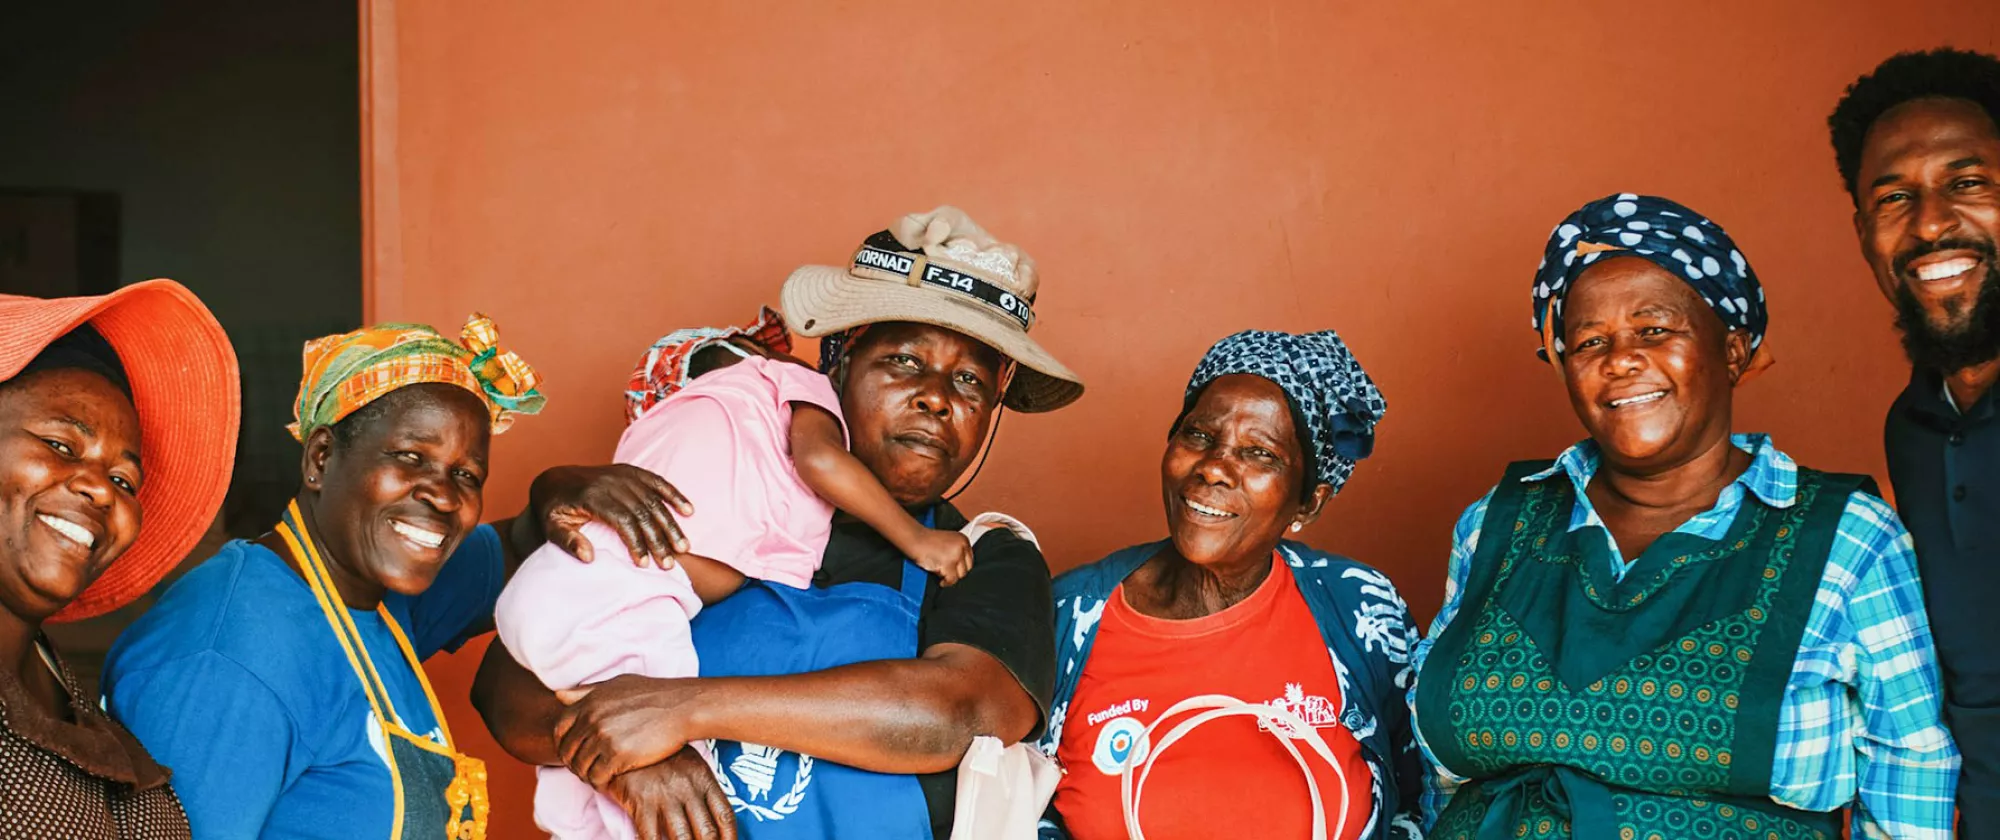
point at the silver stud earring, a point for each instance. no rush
(1297, 527)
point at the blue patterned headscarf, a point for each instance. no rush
(1676, 239)
(1331, 395)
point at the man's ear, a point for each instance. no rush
(838, 376)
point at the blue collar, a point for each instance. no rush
(1772, 477)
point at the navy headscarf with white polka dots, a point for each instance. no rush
(1677, 239)
(1334, 402)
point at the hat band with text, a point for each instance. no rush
(883, 257)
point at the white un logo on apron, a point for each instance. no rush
(758, 769)
(373, 726)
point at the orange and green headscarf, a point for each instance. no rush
(345, 372)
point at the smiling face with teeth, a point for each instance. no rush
(391, 496)
(1927, 210)
(1651, 369)
(69, 487)
(1233, 478)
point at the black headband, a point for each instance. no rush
(881, 255)
(83, 349)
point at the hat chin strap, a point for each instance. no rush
(1007, 371)
(985, 448)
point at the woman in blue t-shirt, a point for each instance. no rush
(281, 680)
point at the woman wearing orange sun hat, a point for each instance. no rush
(118, 418)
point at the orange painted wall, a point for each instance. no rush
(596, 173)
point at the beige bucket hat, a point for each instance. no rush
(938, 268)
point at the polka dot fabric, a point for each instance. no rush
(1332, 395)
(44, 797)
(46, 793)
(1681, 241)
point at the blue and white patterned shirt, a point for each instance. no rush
(1861, 708)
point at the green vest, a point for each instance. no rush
(1582, 705)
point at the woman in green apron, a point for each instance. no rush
(1671, 631)
(282, 680)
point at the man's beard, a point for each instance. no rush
(1973, 342)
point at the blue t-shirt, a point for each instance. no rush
(236, 683)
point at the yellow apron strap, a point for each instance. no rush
(333, 619)
(423, 679)
(342, 624)
(335, 611)
(468, 789)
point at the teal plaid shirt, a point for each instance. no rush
(1861, 709)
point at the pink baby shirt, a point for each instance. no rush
(724, 441)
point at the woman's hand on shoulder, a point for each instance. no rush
(622, 724)
(637, 504)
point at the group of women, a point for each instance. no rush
(1670, 630)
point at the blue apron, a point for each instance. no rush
(439, 792)
(768, 629)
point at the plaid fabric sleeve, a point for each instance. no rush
(1411, 766)
(1439, 783)
(1862, 711)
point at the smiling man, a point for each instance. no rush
(1919, 154)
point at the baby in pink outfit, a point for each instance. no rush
(758, 446)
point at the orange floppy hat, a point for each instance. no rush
(185, 388)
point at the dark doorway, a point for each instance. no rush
(214, 142)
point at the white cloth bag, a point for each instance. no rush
(1002, 789)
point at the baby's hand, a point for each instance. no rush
(948, 554)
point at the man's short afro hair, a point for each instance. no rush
(1948, 73)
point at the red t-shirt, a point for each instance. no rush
(1225, 777)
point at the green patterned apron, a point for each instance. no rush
(1646, 708)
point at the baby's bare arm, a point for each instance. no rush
(820, 455)
(713, 580)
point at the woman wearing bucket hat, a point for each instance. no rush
(118, 419)
(1672, 630)
(282, 679)
(841, 711)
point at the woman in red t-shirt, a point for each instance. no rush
(1271, 428)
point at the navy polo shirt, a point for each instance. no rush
(1945, 466)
